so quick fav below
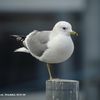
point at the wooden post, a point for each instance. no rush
(58, 89)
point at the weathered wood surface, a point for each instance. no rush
(58, 89)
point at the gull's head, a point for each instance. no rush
(64, 27)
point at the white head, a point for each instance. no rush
(63, 27)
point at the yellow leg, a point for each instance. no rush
(49, 71)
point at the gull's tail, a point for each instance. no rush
(20, 40)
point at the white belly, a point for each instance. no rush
(59, 49)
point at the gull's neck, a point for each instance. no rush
(55, 33)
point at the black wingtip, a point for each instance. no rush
(18, 38)
(14, 36)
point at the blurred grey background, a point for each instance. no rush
(21, 73)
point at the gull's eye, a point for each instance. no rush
(64, 28)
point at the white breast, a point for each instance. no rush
(60, 48)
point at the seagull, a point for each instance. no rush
(51, 47)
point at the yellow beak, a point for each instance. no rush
(74, 33)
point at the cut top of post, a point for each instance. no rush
(62, 80)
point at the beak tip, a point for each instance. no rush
(74, 33)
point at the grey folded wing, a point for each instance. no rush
(36, 42)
